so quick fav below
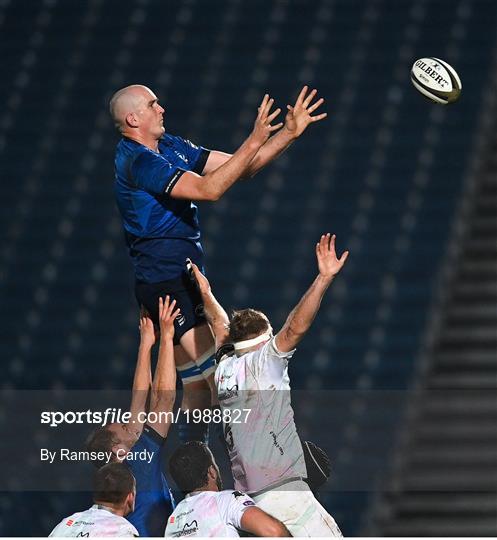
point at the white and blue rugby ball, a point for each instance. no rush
(436, 80)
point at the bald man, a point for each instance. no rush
(159, 177)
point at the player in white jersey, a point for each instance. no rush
(266, 454)
(206, 510)
(114, 497)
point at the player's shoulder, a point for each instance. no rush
(63, 525)
(128, 153)
(150, 434)
(228, 369)
(233, 365)
(267, 365)
(108, 521)
(232, 500)
(74, 517)
(230, 493)
(233, 493)
(116, 518)
(168, 140)
(172, 143)
(226, 361)
(255, 357)
(271, 349)
(225, 364)
(128, 146)
(222, 498)
(125, 525)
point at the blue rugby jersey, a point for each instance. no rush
(154, 502)
(161, 232)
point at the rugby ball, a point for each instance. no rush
(436, 80)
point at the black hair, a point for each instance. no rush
(112, 483)
(189, 466)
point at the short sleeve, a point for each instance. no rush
(57, 531)
(274, 351)
(155, 174)
(234, 505)
(153, 435)
(269, 366)
(196, 155)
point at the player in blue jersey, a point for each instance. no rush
(139, 443)
(158, 176)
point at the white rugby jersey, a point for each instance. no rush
(209, 513)
(96, 521)
(265, 449)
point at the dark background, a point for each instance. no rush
(407, 186)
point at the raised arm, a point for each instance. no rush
(215, 314)
(301, 317)
(164, 383)
(216, 182)
(298, 118)
(143, 375)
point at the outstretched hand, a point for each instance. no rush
(300, 115)
(167, 314)
(328, 263)
(262, 126)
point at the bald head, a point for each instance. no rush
(128, 100)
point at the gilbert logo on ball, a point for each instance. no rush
(436, 80)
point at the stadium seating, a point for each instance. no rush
(446, 468)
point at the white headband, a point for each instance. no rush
(254, 341)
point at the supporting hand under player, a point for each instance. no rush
(147, 332)
(167, 314)
(215, 314)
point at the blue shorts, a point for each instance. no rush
(187, 297)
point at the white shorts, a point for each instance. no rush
(297, 508)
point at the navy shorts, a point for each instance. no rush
(187, 297)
